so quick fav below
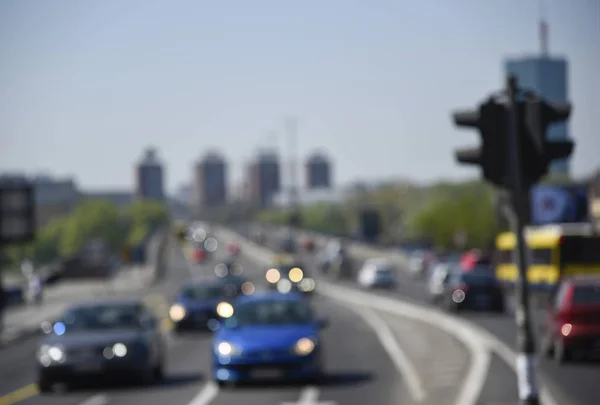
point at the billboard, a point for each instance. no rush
(552, 204)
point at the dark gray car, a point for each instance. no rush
(101, 340)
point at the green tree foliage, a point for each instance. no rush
(453, 208)
(64, 237)
(92, 219)
(143, 217)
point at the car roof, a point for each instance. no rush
(269, 296)
(204, 283)
(585, 279)
(107, 303)
(381, 261)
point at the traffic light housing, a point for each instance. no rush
(492, 156)
(17, 212)
(536, 116)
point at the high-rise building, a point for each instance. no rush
(211, 181)
(318, 171)
(150, 177)
(264, 178)
(547, 76)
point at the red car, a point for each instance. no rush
(309, 244)
(574, 320)
(233, 248)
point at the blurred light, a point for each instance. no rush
(56, 353)
(223, 374)
(248, 288)
(296, 275)
(237, 269)
(284, 286)
(225, 310)
(273, 276)
(307, 285)
(211, 244)
(213, 324)
(59, 328)
(177, 313)
(221, 270)
(119, 349)
(458, 296)
(566, 329)
(46, 327)
(225, 349)
(108, 353)
(304, 347)
(199, 235)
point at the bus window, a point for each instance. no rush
(540, 256)
(580, 250)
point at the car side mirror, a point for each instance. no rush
(322, 323)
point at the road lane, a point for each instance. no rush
(18, 363)
(571, 384)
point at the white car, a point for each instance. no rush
(377, 273)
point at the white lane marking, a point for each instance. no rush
(206, 395)
(96, 400)
(310, 396)
(403, 364)
(473, 383)
(478, 334)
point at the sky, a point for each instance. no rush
(86, 86)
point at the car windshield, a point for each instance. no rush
(202, 292)
(587, 295)
(272, 312)
(383, 271)
(475, 278)
(102, 317)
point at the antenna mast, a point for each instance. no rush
(543, 30)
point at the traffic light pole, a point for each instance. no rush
(526, 357)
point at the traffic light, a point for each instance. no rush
(492, 156)
(535, 119)
(17, 212)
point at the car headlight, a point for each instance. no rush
(49, 354)
(307, 285)
(295, 275)
(273, 276)
(304, 347)
(225, 310)
(177, 312)
(227, 349)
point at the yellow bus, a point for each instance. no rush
(553, 251)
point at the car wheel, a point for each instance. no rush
(159, 372)
(45, 385)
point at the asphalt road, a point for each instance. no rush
(571, 384)
(360, 369)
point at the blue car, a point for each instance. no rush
(270, 336)
(195, 307)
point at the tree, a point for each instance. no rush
(466, 207)
(90, 220)
(142, 218)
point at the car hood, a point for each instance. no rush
(201, 305)
(261, 337)
(95, 338)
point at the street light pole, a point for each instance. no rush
(526, 360)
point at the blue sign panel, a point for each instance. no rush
(558, 204)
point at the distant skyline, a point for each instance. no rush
(86, 87)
